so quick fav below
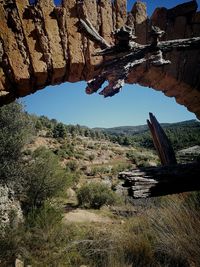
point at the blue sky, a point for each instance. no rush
(69, 103)
(152, 4)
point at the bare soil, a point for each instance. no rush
(81, 216)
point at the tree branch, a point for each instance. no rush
(161, 142)
(89, 30)
(126, 54)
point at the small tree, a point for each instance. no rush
(15, 131)
(59, 131)
(44, 177)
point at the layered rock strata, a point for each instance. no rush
(42, 44)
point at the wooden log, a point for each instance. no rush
(163, 180)
(126, 54)
(161, 142)
(89, 30)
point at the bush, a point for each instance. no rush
(45, 178)
(59, 131)
(120, 167)
(65, 151)
(15, 131)
(72, 166)
(141, 159)
(99, 170)
(95, 195)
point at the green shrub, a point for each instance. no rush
(45, 238)
(45, 178)
(72, 166)
(16, 130)
(59, 131)
(99, 170)
(95, 195)
(120, 167)
(66, 150)
(141, 159)
(79, 154)
(91, 146)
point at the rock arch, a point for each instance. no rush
(41, 44)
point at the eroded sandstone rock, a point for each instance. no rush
(39, 66)
(121, 13)
(14, 64)
(90, 11)
(139, 12)
(43, 45)
(75, 45)
(105, 9)
(54, 39)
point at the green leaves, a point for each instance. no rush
(95, 195)
(44, 178)
(15, 132)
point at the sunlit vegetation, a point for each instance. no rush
(95, 195)
(41, 159)
(181, 135)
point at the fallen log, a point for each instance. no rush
(170, 178)
(161, 142)
(163, 180)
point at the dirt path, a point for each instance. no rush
(79, 215)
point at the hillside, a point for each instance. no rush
(61, 200)
(91, 152)
(182, 134)
(123, 130)
(131, 130)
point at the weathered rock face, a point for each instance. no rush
(10, 209)
(42, 45)
(181, 78)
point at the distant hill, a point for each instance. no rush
(132, 130)
(124, 130)
(182, 134)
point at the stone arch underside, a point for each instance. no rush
(42, 45)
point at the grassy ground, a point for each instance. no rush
(166, 233)
(160, 232)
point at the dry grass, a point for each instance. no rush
(176, 228)
(166, 235)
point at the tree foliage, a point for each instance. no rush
(44, 178)
(16, 128)
(181, 135)
(39, 241)
(59, 130)
(95, 195)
